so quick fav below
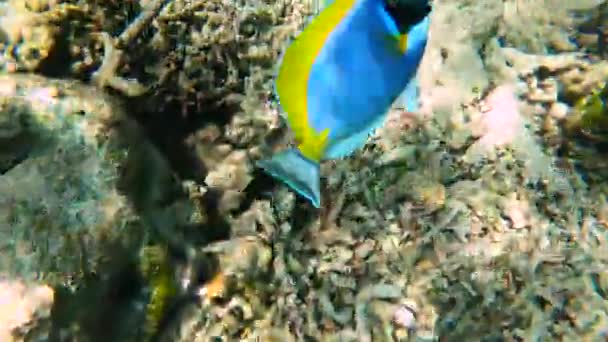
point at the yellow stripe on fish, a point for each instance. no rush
(292, 81)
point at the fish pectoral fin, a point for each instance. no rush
(296, 171)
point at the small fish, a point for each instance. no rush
(338, 79)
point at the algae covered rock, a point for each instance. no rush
(81, 190)
(64, 151)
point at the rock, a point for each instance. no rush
(80, 186)
(24, 310)
(559, 110)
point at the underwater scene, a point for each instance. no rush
(303, 170)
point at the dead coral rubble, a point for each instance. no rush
(494, 235)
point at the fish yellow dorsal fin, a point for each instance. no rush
(292, 81)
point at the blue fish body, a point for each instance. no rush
(353, 80)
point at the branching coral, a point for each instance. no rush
(107, 74)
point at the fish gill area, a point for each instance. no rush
(131, 210)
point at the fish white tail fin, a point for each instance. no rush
(298, 172)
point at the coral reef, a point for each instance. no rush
(481, 217)
(460, 239)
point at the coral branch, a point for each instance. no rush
(106, 75)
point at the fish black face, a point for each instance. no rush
(407, 13)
